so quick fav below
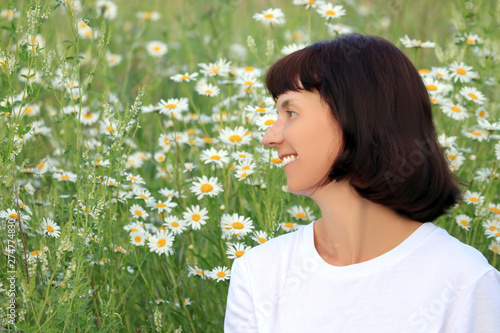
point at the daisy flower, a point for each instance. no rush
(89, 118)
(241, 174)
(241, 155)
(236, 224)
(329, 11)
(9, 14)
(308, 3)
(266, 121)
(461, 72)
(476, 133)
(249, 80)
(113, 59)
(455, 111)
(138, 212)
(435, 86)
(50, 228)
(237, 250)
(214, 156)
(142, 193)
(107, 9)
(207, 89)
(300, 213)
(463, 221)
(195, 217)
(260, 236)
(196, 271)
(204, 186)
(173, 105)
(493, 233)
(162, 206)
(160, 156)
(338, 29)
(186, 77)
(271, 17)
(455, 158)
(494, 208)
(12, 215)
(138, 238)
(221, 68)
(148, 16)
(472, 94)
(237, 137)
(162, 242)
(495, 247)
(472, 39)
(156, 48)
(175, 225)
(289, 226)
(287, 49)
(440, 73)
(474, 198)
(135, 227)
(135, 179)
(164, 142)
(118, 248)
(483, 175)
(65, 176)
(407, 42)
(220, 273)
(189, 167)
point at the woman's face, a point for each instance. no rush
(306, 130)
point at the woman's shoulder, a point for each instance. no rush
(277, 248)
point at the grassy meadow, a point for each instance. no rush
(131, 165)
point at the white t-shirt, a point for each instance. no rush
(431, 282)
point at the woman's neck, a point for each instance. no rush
(352, 229)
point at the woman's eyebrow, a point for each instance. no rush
(286, 102)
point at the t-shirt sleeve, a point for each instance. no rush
(480, 310)
(240, 312)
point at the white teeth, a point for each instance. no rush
(290, 158)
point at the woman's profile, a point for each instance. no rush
(355, 133)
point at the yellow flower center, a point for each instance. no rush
(14, 216)
(464, 223)
(50, 229)
(276, 160)
(461, 71)
(138, 213)
(170, 106)
(235, 138)
(143, 196)
(133, 230)
(301, 215)
(41, 165)
(185, 77)
(493, 228)
(269, 16)
(431, 87)
(34, 253)
(206, 188)
(238, 225)
(199, 271)
(433, 100)
(249, 69)
(476, 133)
(174, 224)
(161, 242)
(221, 274)
(482, 113)
(249, 83)
(470, 41)
(87, 115)
(330, 13)
(495, 249)
(474, 199)
(424, 71)
(196, 217)
(260, 110)
(269, 122)
(452, 157)
(161, 158)
(262, 240)
(215, 157)
(244, 175)
(119, 249)
(138, 239)
(65, 177)
(456, 109)
(208, 92)
(288, 225)
(132, 178)
(156, 48)
(161, 205)
(148, 15)
(471, 95)
(239, 253)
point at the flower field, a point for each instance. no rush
(131, 165)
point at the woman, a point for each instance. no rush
(355, 132)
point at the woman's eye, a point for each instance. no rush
(291, 113)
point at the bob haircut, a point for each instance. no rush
(390, 153)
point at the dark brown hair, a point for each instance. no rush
(390, 153)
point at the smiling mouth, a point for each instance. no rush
(289, 159)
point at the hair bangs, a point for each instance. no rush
(294, 72)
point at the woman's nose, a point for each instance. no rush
(273, 136)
